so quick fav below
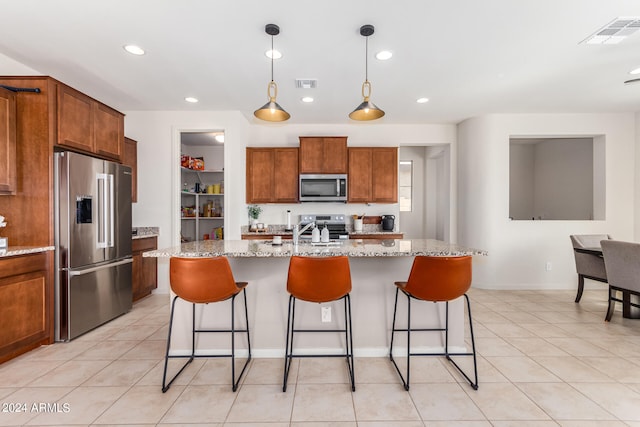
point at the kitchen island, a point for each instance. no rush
(375, 266)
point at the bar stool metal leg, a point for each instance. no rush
(349, 340)
(406, 378)
(348, 331)
(289, 340)
(234, 381)
(166, 386)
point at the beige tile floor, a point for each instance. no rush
(543, 361)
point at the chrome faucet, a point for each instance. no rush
(297, 232)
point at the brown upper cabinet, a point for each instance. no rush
(130, 158)
(323, 155)
(7, 142)
(373, 175)
(272, 175)
(89, 126)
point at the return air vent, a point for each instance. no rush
(615, 31)
(306, 83)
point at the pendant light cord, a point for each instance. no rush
(366, 59)
(272, 54)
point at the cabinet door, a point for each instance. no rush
(144, 270)
(384, 179)
(323, 154)
(75, 127)
(7, 142)
(285, 172)
(335, 155)
(108, 125)
(26, 295)
(311, 154)
(360, 164)
(259, 169)
(130, 158)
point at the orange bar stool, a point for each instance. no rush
(435, 279)
(319, 280)
(204, 281)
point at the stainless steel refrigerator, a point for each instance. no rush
(93, 243)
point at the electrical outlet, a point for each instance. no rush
(548, 266)
(326, 314)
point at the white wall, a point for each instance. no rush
(157, 133)
(519, 250)
(11, 67)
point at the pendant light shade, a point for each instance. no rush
(272, 111)
(367, 110)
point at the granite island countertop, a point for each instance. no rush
(351, 248)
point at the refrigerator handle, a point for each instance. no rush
(73, 273)
(111, 211)
(101, 183)
(105, 210)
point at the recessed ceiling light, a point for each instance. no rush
(383, 55)
(307, 99)
(191, 99)
(219, 137)
(133, 49)
(275, 53)
(422, 100)
(635, 71)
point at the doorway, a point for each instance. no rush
(201, 190)
(424, 177)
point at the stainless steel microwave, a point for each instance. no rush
(323, 188)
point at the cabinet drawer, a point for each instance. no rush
(144, 244)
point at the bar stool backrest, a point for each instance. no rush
(319, 279)
(439, 278)
(202, 280)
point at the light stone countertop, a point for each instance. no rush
(351, 248)
(144, 232)
(24, 250)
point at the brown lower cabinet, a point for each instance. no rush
(26, 315)
(145, 270)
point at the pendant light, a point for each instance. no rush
(367, 110)
(271, 111)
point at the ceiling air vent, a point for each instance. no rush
(306, 83)
(615, 31)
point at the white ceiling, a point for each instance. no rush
(469, 57)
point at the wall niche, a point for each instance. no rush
(557, 178)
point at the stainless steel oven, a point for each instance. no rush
(323, 188)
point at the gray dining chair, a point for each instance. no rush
(588, 266)
(622, 260)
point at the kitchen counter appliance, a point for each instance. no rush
(93, 243)
(335, 224)
(388, 222)
(323, 188)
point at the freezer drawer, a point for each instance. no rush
(91, 297)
